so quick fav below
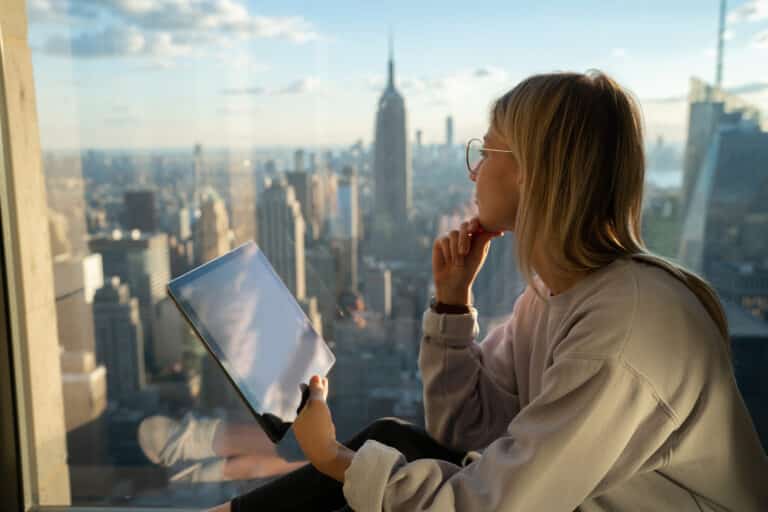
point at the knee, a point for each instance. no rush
(387, 429)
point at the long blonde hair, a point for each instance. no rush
(578, 139)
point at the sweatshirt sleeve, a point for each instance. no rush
(596, 423)
(465, 407)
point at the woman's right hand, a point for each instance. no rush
(457, 258)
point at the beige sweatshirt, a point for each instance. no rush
(617, 394)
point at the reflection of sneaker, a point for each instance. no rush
(202, 471)
(166, 441)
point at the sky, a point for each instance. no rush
(115, 74)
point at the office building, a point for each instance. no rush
(120, 339)
(139, 211)
(392, 164)
(281, 235)
(211, 228)
(142, 262)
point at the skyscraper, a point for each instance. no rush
(345, 231)
(84, 380)
(139, 210)
(211, 228)
(281, 234)
(727, 200)
(321, 283)
(180, 224)
(200, 171)
(317, 187)
(707, 105)
(391, 163)
(242, 201)
(142, 262)
(298, 160)
(120, 339)
(301, 181)
(449, 131)
(378, 288)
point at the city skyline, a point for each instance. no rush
(127, 76)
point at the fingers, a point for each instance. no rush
(445, 246)
(455, 245)
(438, 259)
(469, 231)
(464, 238)
(318, 388)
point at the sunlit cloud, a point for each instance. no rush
(117, 42)
(166, 27)
(751, 11)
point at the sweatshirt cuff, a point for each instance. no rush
(366, 478)
(451, 328)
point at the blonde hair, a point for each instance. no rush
(578, 139)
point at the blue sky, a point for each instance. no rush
(234, 73)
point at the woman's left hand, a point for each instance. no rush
(314, 428)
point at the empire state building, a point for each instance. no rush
(391, 161)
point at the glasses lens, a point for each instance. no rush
(473, 154)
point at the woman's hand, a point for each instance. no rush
(457, 258)
(314, 428)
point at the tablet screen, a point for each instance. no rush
(254, 328)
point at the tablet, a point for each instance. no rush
(253, 327)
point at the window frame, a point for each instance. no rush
(10, 458)
(25, 483)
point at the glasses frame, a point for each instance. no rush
(473, 173)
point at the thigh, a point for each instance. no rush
(411, 440)
(308, 489)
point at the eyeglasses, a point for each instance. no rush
(476, 153)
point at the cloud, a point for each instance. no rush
(121, 120)
(166, 25)
(117, 42)
(63, 11)
(619, 53)
(425, 85)
(235, 111)
(743, 89)
(761, 39)
(301, 86)
(749, 88)
(227, 16)
(751, 11)
(248, 91)
(304, 85)
(665, 99)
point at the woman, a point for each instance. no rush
(609, 387)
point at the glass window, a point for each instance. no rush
(333, 135)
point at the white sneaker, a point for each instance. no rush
(166, 441)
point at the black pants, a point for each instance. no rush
(308, 489)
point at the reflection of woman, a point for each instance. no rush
(610, 385)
